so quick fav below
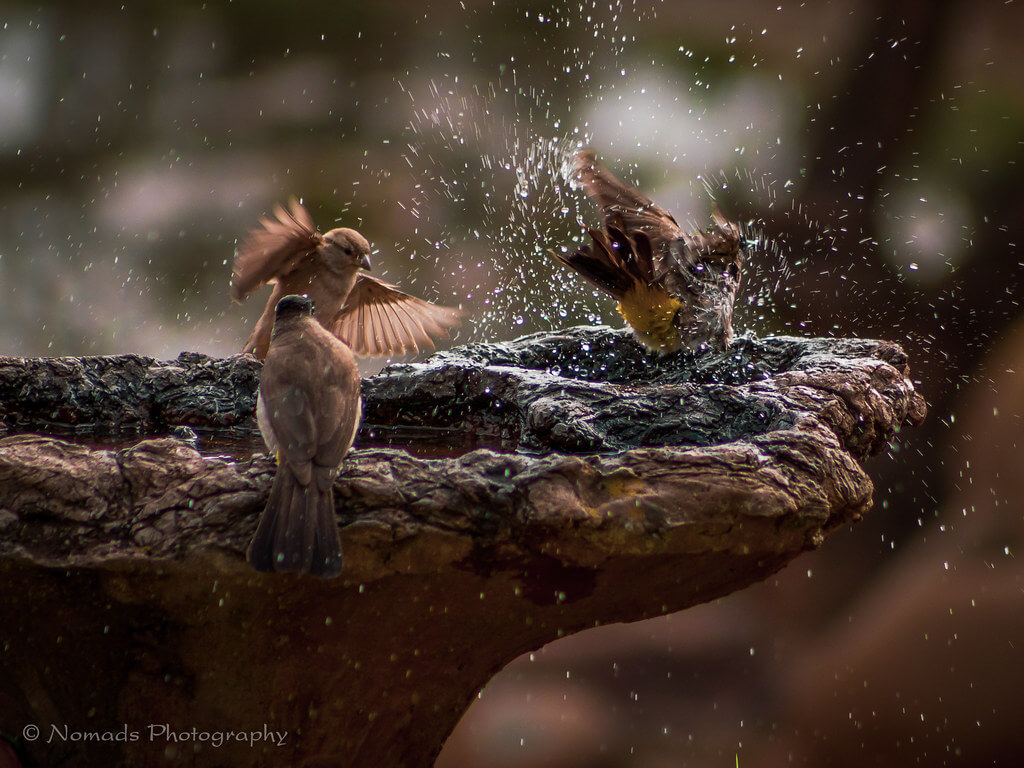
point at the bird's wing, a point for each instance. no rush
(337, 400)
(273, 249)
(622, 206)
(344, 406)
(616, 262)
(721, 242)
(379, 320)
(289, 411)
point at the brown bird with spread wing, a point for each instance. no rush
(373, 317)
(674, 288)
(308, 409)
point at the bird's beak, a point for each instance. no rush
(364, 262)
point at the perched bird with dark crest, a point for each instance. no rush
(674, 288)
(308, 409)
(373, 317)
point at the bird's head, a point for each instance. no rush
(291, 310)
(293, 305)
(344, 248)
(713, 256)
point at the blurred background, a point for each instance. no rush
(873, 152)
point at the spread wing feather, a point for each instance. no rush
(622, 206)
(273, 248)
(615, 263)
(378, 319)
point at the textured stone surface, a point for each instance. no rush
(626, 486)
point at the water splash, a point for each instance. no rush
(490, 164)
(496, 193)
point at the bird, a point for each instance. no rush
(675, 289)
(373, 317)
(308, 409)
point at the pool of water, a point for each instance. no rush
(420, 441)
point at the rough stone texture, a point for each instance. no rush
(590, 390)
(122, 394)
(626, 486)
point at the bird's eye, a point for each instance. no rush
(348, 250)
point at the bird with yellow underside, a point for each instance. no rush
(675, 288)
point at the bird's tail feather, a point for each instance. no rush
(298, 530)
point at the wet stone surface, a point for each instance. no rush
(592, 390)
(582, 390)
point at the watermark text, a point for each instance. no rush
(156, 732)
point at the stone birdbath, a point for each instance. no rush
(500, 496)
